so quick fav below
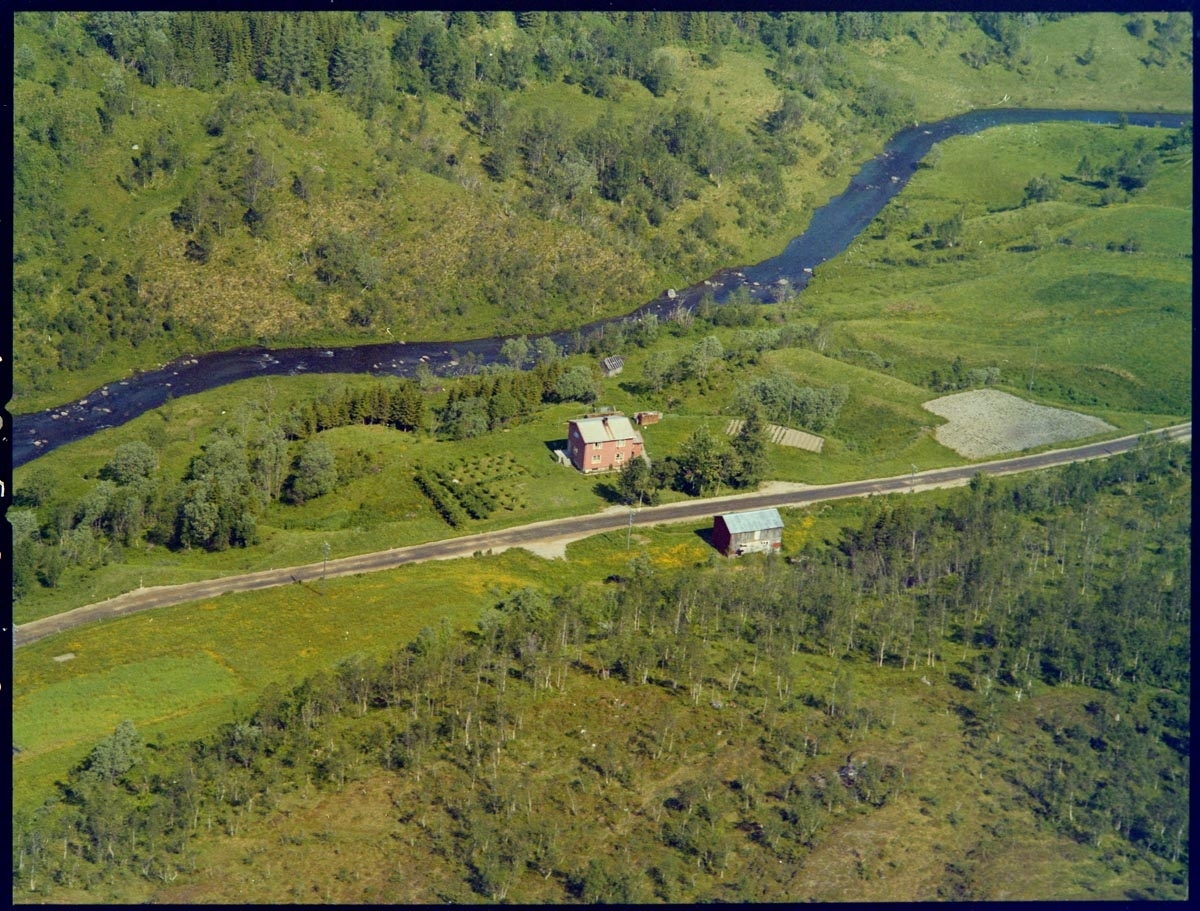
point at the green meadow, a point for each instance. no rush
(1049, 72)
(178, 671)
(1109, 327)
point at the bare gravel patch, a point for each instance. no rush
(988, 422)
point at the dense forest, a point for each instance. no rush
(1052, 611)
(162, 158)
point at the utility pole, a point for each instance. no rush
(629, 530)
(1033, 373)
(324, 565)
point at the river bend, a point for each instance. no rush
(833, 228)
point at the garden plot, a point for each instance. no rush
(784, 436)
(474, 488)
(988, 422)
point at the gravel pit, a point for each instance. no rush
(988, 422)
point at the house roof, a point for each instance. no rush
(751, 520)
(611, 427)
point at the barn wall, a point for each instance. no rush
(720, 535)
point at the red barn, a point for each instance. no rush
(602, 443)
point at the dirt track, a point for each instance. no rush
(556, 533)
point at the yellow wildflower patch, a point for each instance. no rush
(684, 554)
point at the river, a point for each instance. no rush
(833, 228)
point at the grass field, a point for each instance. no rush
(1004, 296)
(1080, 302)
(177, 671)
(1048, 72)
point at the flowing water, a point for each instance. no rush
(833, 228)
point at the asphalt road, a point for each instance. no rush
(561, 530)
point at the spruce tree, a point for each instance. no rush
(750, 449)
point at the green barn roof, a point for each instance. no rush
(751, 520)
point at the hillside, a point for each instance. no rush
(977, 694)
(188, 182)
(972, 694)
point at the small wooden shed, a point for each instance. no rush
(612, 366)
(751, 531)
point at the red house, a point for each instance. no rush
(602, 443)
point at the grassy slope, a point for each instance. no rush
(245, 293)
(958, 819)
(898, 853)
(943, 84)
(1109, 329)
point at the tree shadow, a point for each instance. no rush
(970, 718)
(609, 491)
(1090, 183)
(961, 680)
(635, 387)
